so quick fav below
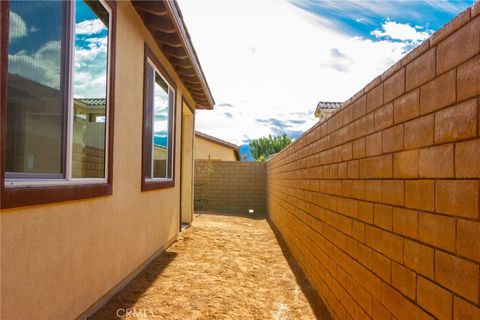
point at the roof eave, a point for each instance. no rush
(175, 13)
(164, 21)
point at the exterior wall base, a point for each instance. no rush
(122, 284)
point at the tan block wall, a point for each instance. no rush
(59, 259)
(233, 186)
(380, 203)
(87, 162)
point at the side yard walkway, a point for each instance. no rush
(223, 267)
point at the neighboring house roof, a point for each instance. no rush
(327, 106)
(94, 102)
(224, 143)
(165, 22)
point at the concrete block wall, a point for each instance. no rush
(380, 203)
(88, 162)
(233, 186)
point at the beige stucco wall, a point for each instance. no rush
(187, 165)
(59, 259)
(205, 148)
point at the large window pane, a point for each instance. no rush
(90, 89)
(36, 103)
(161, 130)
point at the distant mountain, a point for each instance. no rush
(160, 141)
(244, 150)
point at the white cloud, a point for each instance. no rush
(90, 68)
(400, 31)
(89, 27)
(43, 66)
(296, 61)
(18, 28)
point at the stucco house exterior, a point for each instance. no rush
(97, 130)
(208, 147)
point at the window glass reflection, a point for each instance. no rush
(161, 134)
(36, 103)
(90, 89)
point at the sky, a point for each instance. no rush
(268, 62)
(35, 45)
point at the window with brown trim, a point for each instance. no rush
(158, 126)
(57, 100)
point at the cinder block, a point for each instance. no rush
(468, 239)
(452, 26)
(360, 107)
(404, 280)
(419, 132)
(405, 164)
(375, 98)
(374, 144)
(365, 211)
(393, 139)
(457, 197)
(405, 222)
(438, 93)
(379, 311)
(436, 162)
(382, 216)
(373, 190)
(407, 106)
(387, 243)
(437, 230)
(376, 167)
(418, 257)
(384, 117)
(421, 70)
(457, 122)
(468, 79)
(461, 308)
(381, 266)
(419, 194)
(434, 298)
(393, 192)
(457, 274)
(359, 148)
(459, 47)
(394, 86)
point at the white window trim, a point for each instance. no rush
(171, 158)
(69, 180)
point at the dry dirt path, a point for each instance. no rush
(223, 267)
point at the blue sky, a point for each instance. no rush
(35, 46)
(269, 62)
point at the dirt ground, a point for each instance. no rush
(222, 267)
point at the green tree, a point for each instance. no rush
(263, 147)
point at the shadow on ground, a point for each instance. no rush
(253, 216)
(123, 301)
(316, 302)
(226, 266)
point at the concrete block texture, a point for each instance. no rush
(230, 186)
(380, 202)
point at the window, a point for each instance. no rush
(58, 99)
(159, 113)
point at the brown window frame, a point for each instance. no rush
(147, 185)
(20, 196)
